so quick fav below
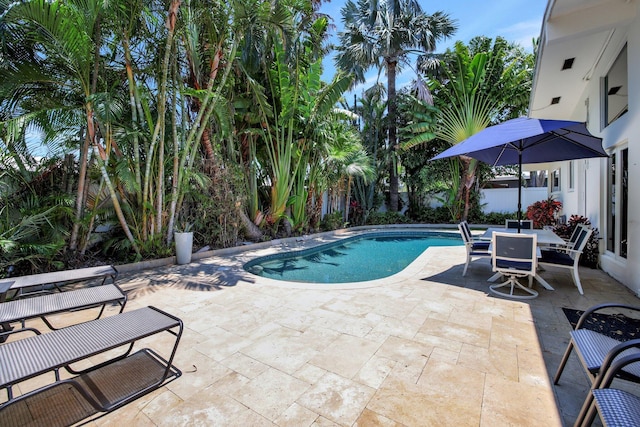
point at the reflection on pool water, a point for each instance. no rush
(356, 259)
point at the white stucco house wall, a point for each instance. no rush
(588, 69)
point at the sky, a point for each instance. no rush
(516, 20)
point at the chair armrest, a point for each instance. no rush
(615, 351)
(611, 367)
(557, 247)
(476, 239)
(572, 252)
(599, 307)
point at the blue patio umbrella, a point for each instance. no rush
(525, 140)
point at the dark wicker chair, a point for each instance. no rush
(615, 407)
(598, 352)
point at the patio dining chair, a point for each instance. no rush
(525, 224)
(467, 229)
(475, 249)
(598, 352)
(614, 406)
(514, 256)
(568, 258)
(569, 243)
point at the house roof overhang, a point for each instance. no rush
(589, 31)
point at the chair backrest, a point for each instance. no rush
(525, 224)
(581, 242)
(466, 237)
(514, 252)
(574, 236)
(467, 230)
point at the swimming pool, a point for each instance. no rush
(356, 259)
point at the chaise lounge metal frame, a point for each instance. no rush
(24, 306)
(101, 388)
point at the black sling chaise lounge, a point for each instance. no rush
(23, 306)
(100, 388)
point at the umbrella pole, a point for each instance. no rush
(519, 188)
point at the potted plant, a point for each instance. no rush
(183, 236)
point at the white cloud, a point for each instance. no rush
(522, 33)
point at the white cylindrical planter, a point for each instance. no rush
(184, 245)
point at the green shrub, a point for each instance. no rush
(497, 218)
(384, 218)
(428, 215)
(332, 221)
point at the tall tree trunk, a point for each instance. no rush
(102, 158)
(286, 224)
(252, 230)
(83, 160)
(372, 186)
(176, 156)
(347, 200)
(393, 167)
(468, 174)
(88, 141)
(134, 115)
(170, 24)
(206, 135)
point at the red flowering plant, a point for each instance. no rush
(544, 212)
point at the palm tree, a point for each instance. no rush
(59, 45)
(372, 111)
(476, 84)
(383, 33)
(356, 164)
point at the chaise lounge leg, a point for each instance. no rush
(565, 358)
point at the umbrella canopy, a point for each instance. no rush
(525, 140)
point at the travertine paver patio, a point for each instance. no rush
(425, 347)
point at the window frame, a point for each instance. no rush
(555, 181)
(617, 199)
(572, 173)
(607, 85)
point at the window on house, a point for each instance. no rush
(555, 180)
(616, 89)
(571, 175)
(624, 202)
(611, 204)
(618, 202)
(537, 178)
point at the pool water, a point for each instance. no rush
(356, 259)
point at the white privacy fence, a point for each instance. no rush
(492, 200)
(506, 199)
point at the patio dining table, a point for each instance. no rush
(545, 238)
